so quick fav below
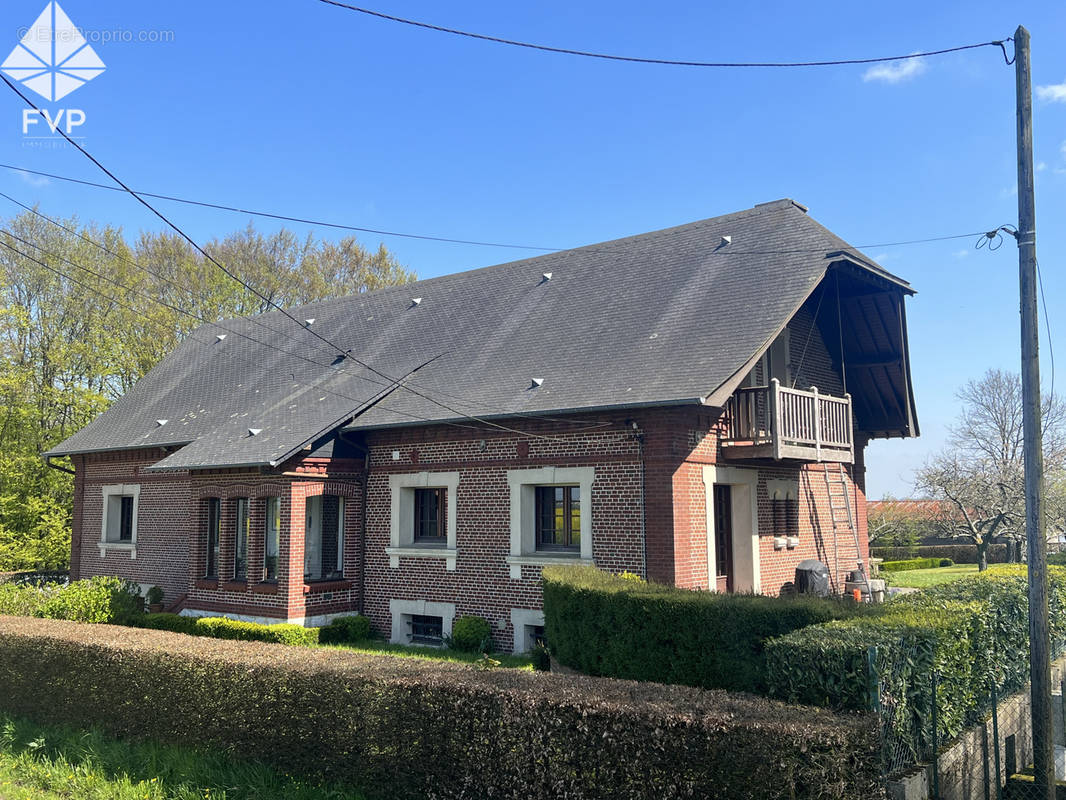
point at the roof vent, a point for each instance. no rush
(537, 382)
(254, 431)
(309, 322)
(161, 422)
(220, 336)
(726, 240)
(547, 276)
(416, 301)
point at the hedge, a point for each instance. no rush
(223, 628)
(959, 553)
(912, 563)
(93, 600)
(603, 624)
(400, 728)
(969, 632)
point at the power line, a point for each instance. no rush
(303, 220)
(272, 215)
(660, 61)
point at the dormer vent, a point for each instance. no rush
(254, 431)
(309, 322)
(416, 301)
(161, 422)
(547, 276)
(726, 240)
(537, 382)
(220, 336)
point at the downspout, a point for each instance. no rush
(643, 505)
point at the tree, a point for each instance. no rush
(78, 332)
(980, 473)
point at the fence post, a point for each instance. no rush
(995, 737)
(873, 679)
(936, 765)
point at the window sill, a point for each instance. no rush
(320, 587)
(449, 554)
(545, 559)
(266, 587)
(235, 586)
(121, 547)
(207, 583)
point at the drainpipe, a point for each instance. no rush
(639, 436)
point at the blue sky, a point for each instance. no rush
(309, 110)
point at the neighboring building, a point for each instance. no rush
(644, 404)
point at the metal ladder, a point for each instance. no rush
(841, 514)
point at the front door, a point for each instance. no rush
(723, 536)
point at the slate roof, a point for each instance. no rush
(662, 318)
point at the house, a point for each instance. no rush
(691, 405)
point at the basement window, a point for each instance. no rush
(426, 629)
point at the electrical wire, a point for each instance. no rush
(272, 215)
(659, 61)
(1047, 325)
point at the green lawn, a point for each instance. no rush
(921, 578)
(40, 762)
(380, 647)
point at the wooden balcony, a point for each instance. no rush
(773, 422)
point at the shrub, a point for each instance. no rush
(398, 728)
(154, 596)
(946, 562)
(959, 553)
(471, 635)
(95, 600)
(345, 630)
(601, 624)
(911, 563)
(223, 628)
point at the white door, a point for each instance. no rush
(313, 538)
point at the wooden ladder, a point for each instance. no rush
(841, 513)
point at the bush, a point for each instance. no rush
(345, 630)
(154, 596)
(910, 564)
(399, 728)
(471, 635)
(95, 600)
(959, 553)
(223, 628)
(601, 624)
(946, 562)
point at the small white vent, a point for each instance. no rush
(254, 431)
(309, 322)
(537, 382)
(726, 240)
(547, 276)
(220, 336)
(416, 301)
(161, 422)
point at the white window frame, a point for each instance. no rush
(403, 610)
(108, 520)
(402, 522)
(522, 484)
(523, 620)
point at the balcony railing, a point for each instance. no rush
(776, 422)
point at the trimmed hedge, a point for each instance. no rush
(400, 728)
(912, 563)
(970, 632)
(223, 628)
(603, 624)
(471, 635)
(345, 630)
(959, 553)
(94, 600)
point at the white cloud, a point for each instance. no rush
(896, 71)
(1054, 93)
(961, 253)
(36, 181)
(1041, 166)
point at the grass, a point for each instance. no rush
(381, 647)
(922, 578)
(46, 762)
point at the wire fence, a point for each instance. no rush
(985, 753)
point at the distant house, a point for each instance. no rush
(691, 405)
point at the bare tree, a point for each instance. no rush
(980, 473)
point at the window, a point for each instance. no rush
(240, 541)
(324, 538)
(426, 629)
(214, 520)
(429, 516)
(271, 532)
(118, 523)
(551, 518)
(558, 515)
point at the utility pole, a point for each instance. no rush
(1039, 657)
